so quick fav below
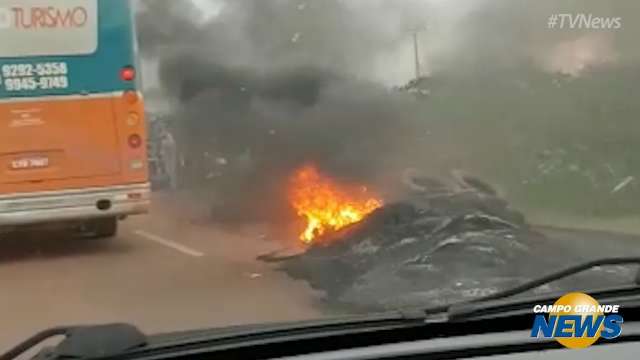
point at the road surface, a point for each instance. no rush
(166, 272)
(162, 273)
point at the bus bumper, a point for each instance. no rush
(73, 205)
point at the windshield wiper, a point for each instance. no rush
(109, 341)
(82, 342)
(572, 270)
(464, 308)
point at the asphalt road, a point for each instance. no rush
(162, 272)
(167, 272)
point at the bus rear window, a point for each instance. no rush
(48, 27)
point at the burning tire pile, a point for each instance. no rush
(445, 242)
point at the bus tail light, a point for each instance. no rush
(128, 73)
(133, 119)
(131, 96)
(135, 141)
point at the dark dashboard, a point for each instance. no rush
(516, 343)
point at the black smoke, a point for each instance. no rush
(279, 83)
(276, 84)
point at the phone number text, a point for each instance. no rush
(30, 70)
(31, 83)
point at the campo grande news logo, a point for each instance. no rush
(577, 320)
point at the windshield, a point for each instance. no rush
(256, 161)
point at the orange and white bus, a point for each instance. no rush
(72, 129)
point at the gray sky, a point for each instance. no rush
(371, 39)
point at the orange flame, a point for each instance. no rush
(325, 205)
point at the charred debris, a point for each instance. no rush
(445, 241)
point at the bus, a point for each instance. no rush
(72, 129)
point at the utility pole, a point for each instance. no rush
(416, 51)
(416, 48)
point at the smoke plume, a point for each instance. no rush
(274, 84)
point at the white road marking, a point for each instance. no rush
(168, 243)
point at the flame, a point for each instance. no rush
(326, 205)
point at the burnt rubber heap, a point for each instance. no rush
(445, 242)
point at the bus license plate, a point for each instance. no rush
(36, 162)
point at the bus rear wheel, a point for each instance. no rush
(103, 227)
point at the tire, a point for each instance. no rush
(104, 227)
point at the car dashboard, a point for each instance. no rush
(513, 345)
